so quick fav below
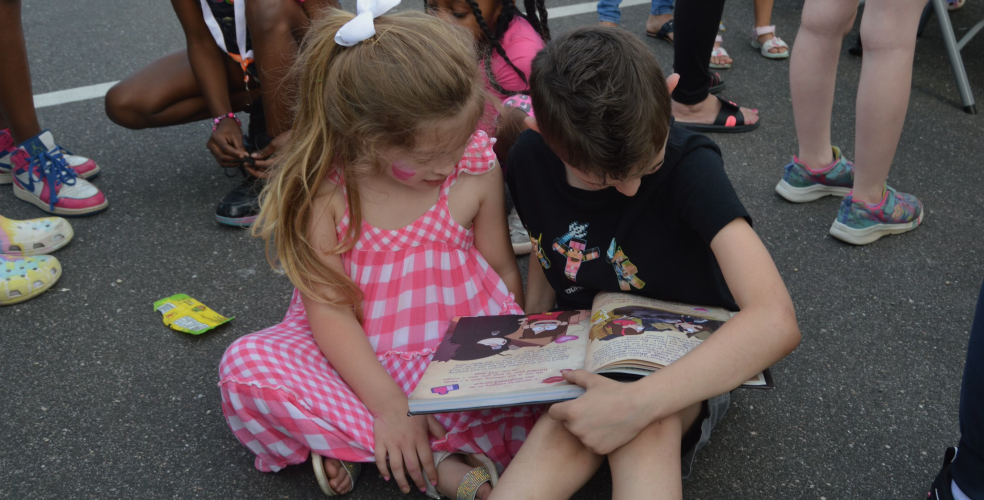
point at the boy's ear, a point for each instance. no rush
(671, 82)
(531, 122)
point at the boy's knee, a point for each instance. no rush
(123, 107)
(268, 16)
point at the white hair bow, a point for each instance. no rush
(361, 28)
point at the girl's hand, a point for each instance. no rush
(264, 158)
(404, 442)
(605, 417)
(226, 144)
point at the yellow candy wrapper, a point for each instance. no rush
(185, 314)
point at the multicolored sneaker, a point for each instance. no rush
(801, 184)
(23, 278)
(860, 223)
(83, 167)
(42, 177)
(33, 237)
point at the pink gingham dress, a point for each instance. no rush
(283, 399)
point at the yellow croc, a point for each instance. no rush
(33, 237)
(23, 278)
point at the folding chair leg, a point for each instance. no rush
(956, 61)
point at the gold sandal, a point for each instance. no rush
(484, 472)
(353, 470)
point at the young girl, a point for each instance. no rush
(386, 214)
(233, 46)
(507, 40)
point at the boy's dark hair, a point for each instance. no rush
(536, 15)
(601, 101)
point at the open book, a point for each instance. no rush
(498, 361)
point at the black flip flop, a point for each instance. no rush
(664, 32)
(717, 84)
(729, 120)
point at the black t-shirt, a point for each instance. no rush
(655, 244)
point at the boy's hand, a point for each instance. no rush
(226, 144)
(606, 417)
(265, 157)
(404, 442)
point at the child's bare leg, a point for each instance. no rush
(813, 75)
(276, 26)
(552, 464)
(16, 98)
(888, 29)
(649, 465)
(165, 92)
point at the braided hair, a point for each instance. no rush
(536, 15)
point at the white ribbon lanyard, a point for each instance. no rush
(362, 28)
(244, 59)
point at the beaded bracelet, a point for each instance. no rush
(215, 121)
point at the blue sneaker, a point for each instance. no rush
(801, 184)
(860, 223)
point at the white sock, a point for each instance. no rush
(957, 494)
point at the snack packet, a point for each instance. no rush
(185, 314)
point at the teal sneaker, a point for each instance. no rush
(860, 223)
(801, 184)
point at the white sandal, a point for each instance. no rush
(351, 468)
(719, 52)
(484, 472)
(772, 43)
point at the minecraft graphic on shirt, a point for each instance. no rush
(538, 251)
(625, 270)
(576, 254)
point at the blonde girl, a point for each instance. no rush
(386, 215)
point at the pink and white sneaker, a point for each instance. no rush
(42, 176)
(83, 167)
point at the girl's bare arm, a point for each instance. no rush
(492, 233)
(206, 57)
(540, 296)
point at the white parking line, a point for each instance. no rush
(99, 90)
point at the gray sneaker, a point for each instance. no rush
(518, 236)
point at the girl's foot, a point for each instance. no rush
(338, 476)
(607, 23)
(705, 113)
(33, 237)
(660, 26)
(769, 45)
(719, 56)
(860, 223)
(451, 474)
(23, 278)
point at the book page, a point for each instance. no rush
(499, 354)
(627, 327)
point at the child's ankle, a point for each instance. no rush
(818, 162)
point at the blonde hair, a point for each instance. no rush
(416, 71)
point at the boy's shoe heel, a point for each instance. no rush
(860, 224)
(801, 184)
(23, 278)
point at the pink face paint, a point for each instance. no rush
(402, 171)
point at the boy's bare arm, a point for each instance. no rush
(611, 414)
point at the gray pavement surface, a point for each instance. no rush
(99, 399)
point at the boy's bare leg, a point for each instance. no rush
(16, 98)
(649, 465)
(813, 75)
(888, 29)
(552, 464)
(276, 27)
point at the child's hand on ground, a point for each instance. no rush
(403, 442)
(606, 417)
(265, 157)
(226, 144)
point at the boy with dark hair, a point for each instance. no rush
(604, 172)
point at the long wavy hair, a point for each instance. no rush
(351, 102)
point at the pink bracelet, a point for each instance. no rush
(215, 121)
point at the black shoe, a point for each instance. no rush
(256, 126)
(941, 486)
(241, 206)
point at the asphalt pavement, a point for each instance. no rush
(99, 399)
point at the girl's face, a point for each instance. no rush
(432, 160)
(460, 13)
